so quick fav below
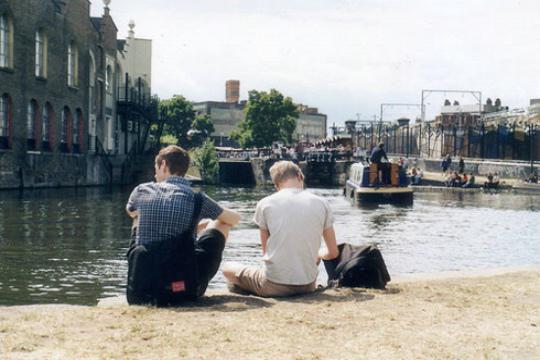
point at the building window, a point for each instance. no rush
(5, 125)
(30, 125)
(66, 138)
(6, 41)
(78, 128)
(92, 84)
(47, 130)
(108, 80)
(45, 125)
(4, 130)
(109, 88)
(41, 54)
(75, 133)
(64, 133)
(73, 64)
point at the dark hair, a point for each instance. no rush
(177, 159)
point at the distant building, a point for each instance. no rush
(226, 116)
(134, 89)
(455, 114)
(311, 124)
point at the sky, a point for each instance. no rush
(345, 57)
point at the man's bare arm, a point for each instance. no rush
(229, 217)
(264, 234)
(331, 251)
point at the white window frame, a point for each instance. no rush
(41, 54)
(6, 37)
(72, 64)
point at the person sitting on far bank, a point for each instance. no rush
(532, 178)
(377, 154)
(490, 183)
(470, 182)
(413, 176)
(165, 209)
(419, 176)
(291, 223)
(464, 179)
(456, 179)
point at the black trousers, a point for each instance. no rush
(209, 252)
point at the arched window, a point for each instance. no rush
(47, 128)
(75, 133)
(66, 136)
(108, 80)
(109, 88)
(73, 64)
(41, 54)
(6, 41)
(5, 122)
(32, 124)
(78, 131)
(92, 84)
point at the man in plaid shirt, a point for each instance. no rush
(164, 209)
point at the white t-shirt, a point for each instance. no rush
(295, 219)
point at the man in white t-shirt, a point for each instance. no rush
(292, 222)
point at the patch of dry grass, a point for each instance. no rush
(486, 317)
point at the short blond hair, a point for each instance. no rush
(284, 170)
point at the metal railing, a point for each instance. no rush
(496, 142)
(104, 156)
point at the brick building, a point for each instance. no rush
(59, 76)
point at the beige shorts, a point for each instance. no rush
(253, 280)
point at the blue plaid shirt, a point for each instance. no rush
(166, 209)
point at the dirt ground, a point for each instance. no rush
(468, 317)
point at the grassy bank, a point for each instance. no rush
(492, 317)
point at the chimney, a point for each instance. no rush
(131, 32)
(106, 9)
(232, 91)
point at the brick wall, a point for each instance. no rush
(20, 82)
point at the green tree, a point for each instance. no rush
(178, 115)
(205, 158)
(201, 129)
(269, 117)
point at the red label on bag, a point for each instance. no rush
(178, 286)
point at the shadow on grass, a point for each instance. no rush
(224, 303)
(234, 302)
(331, 295)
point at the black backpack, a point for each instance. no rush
(357, 266)
(165, 273)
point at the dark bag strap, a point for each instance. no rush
(196, 211)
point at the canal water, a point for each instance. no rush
(69, 245)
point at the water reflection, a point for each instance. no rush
(69, 245)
